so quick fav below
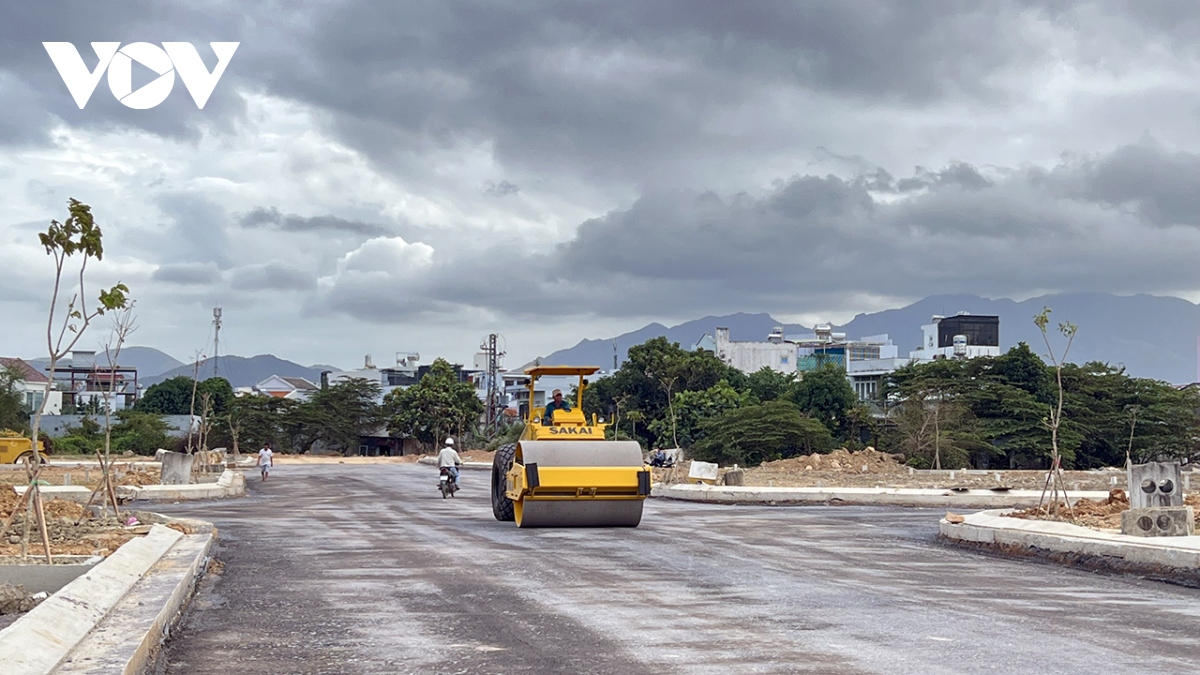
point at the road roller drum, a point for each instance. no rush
(562, 473)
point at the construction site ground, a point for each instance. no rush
(366, 569)
(869, 468)
(87, 475)
(68, 536)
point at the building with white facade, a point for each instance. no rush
(962, 336)
(32, 386)
(776, 353)
(868, 360)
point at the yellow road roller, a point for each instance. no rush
(563, 473)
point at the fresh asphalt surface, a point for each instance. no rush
(366, 569)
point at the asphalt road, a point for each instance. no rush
(366, 569)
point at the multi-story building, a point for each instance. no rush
(776, 353)
(868, 360)
(960, 336)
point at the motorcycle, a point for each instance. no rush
(446, 483)
(662, 462)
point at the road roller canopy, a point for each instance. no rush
(539, 371)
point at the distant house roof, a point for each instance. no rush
(28, 372)
(300, 383)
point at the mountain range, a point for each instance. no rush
(1151, 336)
(154, 366)
(242, 371)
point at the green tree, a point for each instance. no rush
(436, 406)
(340, 414)
(768, 384)
(693, 407)
(174, 396)
(753, 434)
(826, 395)
(13, 414)
(647, 382)
(255, 420)
(140, 432)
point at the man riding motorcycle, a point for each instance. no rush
(448, 459)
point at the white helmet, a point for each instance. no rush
(449, 441)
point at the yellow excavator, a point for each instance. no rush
(563, 473)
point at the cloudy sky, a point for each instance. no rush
(373, 177)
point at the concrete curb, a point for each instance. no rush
(40, 640)
(1175, 559)
(728, 494)
(232, 483)
(113, 617)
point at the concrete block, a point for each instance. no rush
(1155, 484)
(706, 471)
(176, 468)
(39, 577)
(71, 493)
(1161, 521)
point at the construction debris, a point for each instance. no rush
(16, 600)
(1104, 514)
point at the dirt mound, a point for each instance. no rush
(55, 508)
(8, 500)
(841, 460)
(139, 477)
(60, 508)
(1098, 513)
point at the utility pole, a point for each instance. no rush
(494, 406)
(216, 338)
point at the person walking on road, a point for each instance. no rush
(448, 459)
(264, 460)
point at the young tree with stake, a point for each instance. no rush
(1053, 422)
(77, 235)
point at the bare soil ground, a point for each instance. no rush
(128, 473)
(90, 537)
(870, 468)
(467, 456)
(1101, 514)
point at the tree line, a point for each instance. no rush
(983, 413)
(952, 413)
(334, 418)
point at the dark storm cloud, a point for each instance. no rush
(26, 25)
(612, 90)
(502, 188)
(636, 90)
(618, 88)
(187, 274)
(821, 241)
(1161, 186)
(264, 217)
(272, 277)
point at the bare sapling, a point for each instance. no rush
(79, 236)
(122, 327)
(1055, 483)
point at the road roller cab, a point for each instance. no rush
(563, 473)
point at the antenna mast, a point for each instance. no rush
(494, 394)
(216, 338)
